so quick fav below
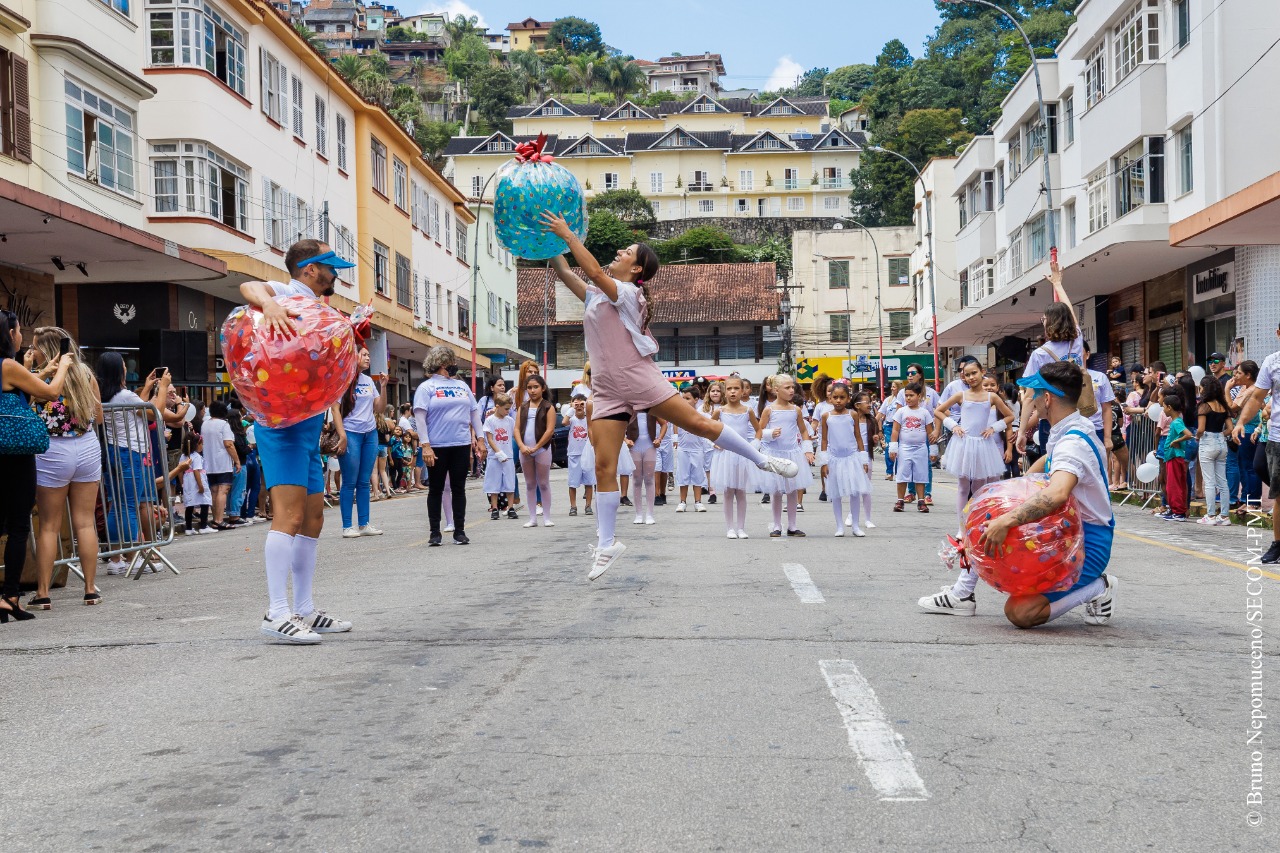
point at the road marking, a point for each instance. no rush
(1235, 564)
(880, 750)
(803, 584)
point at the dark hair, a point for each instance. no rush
(235, 418)
(818, 390)
(218, 409)
(110, 375)
(647, 260)
(1158, 367)
(692, 390)
(190, 441)
(8, 322)
(915, 388)
(965, 359)
(1249, 368)
(1066, 377)
(1135, 369)
(301, 251)
(1059, 324)
(405, 407)
(1186, 386)
(1010, 392)
(1211, 391)
(1174, 401)
(536, 377)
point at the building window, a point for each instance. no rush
(795, 203)
(837, 275)
(460, 240)
(121, 6)
(493, 308)
(448, 232)
(706, 205)
(195, 179)
(655, 182)
(435, 219)
(791, 179)
(832, 178)
(839, 328)
(322, 127)
(1186, 161)
(1015, 253)
(488, 237)
(499, 145)
(345, 246)
(1015, 156)
(746, 180)
(404, 291)
(381, 263)
(899, 325)
(400, 183)
(831, 203)
(297, 107)
(1130, 169)
(99, 139)
(379, 163)
(1099, 202)
(1000, 185)
(1095, 75)
(340, 124)
(1182, 25)
(743, 206)
(963, 205)
(899, 271)
(464, 318)
(196, 36)
(611, 181)
(1069, 210)
(506, 317)
(477, 185)
(701, 181)
(1035, 141)
(275, 87)
(1069, 118)
(1038, 240)
(1002, 265)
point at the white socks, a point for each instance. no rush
(965, 584)
(1075, 599)
(606, 516)
(734, 443)
(278, 556)
(304, 572)
(837, 506)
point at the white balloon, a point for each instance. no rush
(1197, 373)
(1154, 411)
(1147, 472)
(1151, 457)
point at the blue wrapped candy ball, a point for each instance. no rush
(526, 191)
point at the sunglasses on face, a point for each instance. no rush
(1215, 361)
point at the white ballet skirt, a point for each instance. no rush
(970, 455)
(846, 476)
(785, 446)
(729, 470)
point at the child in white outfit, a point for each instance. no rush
(500, 469)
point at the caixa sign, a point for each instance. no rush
(1213, 283)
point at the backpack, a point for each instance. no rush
(1087, 405)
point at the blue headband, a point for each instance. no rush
(1039, 383)
(328, 259)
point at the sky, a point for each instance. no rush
(765, 45)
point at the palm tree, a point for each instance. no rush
(311, 37)
(622, 77)
(461, 26)
(561, 78)
(352, 67)
(530, 71)
(585, 69)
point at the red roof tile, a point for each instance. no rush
(704, 294)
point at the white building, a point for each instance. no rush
(699, 73)
(936, 220)
(1165, 187)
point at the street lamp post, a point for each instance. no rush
(879, 306)
(928, 248)
(475, 284)
(1044, 109)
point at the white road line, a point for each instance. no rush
(880, 750)
(802, 584)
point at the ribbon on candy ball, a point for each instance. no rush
(531, 152)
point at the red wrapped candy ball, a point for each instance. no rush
(286, 380)
(1040, 556)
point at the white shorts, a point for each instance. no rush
(70, 460)
(334, 465)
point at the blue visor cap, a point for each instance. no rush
(329, 259)
(1039, 383)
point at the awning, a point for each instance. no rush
(1250, 217)
(37, 229)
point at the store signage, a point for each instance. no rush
(1213, 283)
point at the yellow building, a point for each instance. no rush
(700, 158)
(529, 34)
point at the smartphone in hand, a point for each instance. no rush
(64, 346)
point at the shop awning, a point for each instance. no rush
(1250, 217)
(40, 232)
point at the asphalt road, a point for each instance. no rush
(700, 696)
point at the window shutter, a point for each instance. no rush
(268, 214)
(265, 69)
(21, 110)
(282, 90)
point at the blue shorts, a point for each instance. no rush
(291, 456)
(1097, 554)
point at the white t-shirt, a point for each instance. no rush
(128, 429)
(1104, 394)
(293, 288)
(501, 429)
(1051, 351)
(192, 478)
(1073, 453)
(405, 423)
(1269, 380)
(215, 431)
(361, 418)
(577, 436)
(913, 425)
(955, 386)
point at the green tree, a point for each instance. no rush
(576, 35)
(378, 63)
(560, 79)
(351, 67)
(400, 34)
(848, 82)
(531, 74)
(493, 92)
(776, 250)
(703, 244)
(311, 37)
(622, 77)
(629, 206)
(461, 26)
(433, 137)
(606, 234)
(464, 57)
(586, 70)
(811, 82)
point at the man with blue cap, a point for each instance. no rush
(1076, 464)
(290, 459)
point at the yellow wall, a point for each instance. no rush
(787, 124)
(378, 217)
(25, 174)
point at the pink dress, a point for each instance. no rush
(624, 377)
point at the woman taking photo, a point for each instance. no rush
(18, 468)
(221, 461)
(71, 468)
(363, 398)
(450, 430)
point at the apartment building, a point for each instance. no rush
(1164, 190)
(74, 240)
(529, 34)
(702, 158)
(685, 74)
(334, 23)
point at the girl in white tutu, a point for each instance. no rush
(731, 475)
(846, 466)
(691, 455)
(781, 431)
(971, 454)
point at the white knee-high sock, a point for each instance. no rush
(965, 584)
(855, 513)
(742, 508)
(964, 488)
(606, 516)
(793, 501)
(866, 506)
(775, 503)
(730, 440)
(1075, 599)
(304, 572)
(278, 556)
(729, 496)
(837, 507)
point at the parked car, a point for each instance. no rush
(560, 447)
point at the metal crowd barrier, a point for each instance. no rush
(134, 512)
(1141, 438)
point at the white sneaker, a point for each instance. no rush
(681, 507)
(546, 522)
(742, 534)
(1207, 520)
(649, 519)
(370, 530)
(698, 507)
(323, 623)
(857, 531)
(350, 533)
(946, 602)
(839, 534)
(1098, 610)
(781, 467)
(639, 520)
(190, 532)
(1223, 521)
(538, 511)
(448, 528)
(870, 525)
(603, 558)
(117, 567)
(290, 629)
(848, 520)
(732, 534)
(531, 523)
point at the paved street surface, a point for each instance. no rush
(705, 694)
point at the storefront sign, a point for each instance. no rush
(861, 368)
(1213, 283)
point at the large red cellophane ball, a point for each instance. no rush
(286, 380)
(1040, 556)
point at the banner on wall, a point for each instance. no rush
(861, 368)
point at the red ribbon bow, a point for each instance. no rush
(362, 328)
(531, 152)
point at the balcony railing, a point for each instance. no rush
(836, 184)
(685, 88)
(791, 184)
(701, 187)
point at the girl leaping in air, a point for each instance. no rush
(624, 376)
